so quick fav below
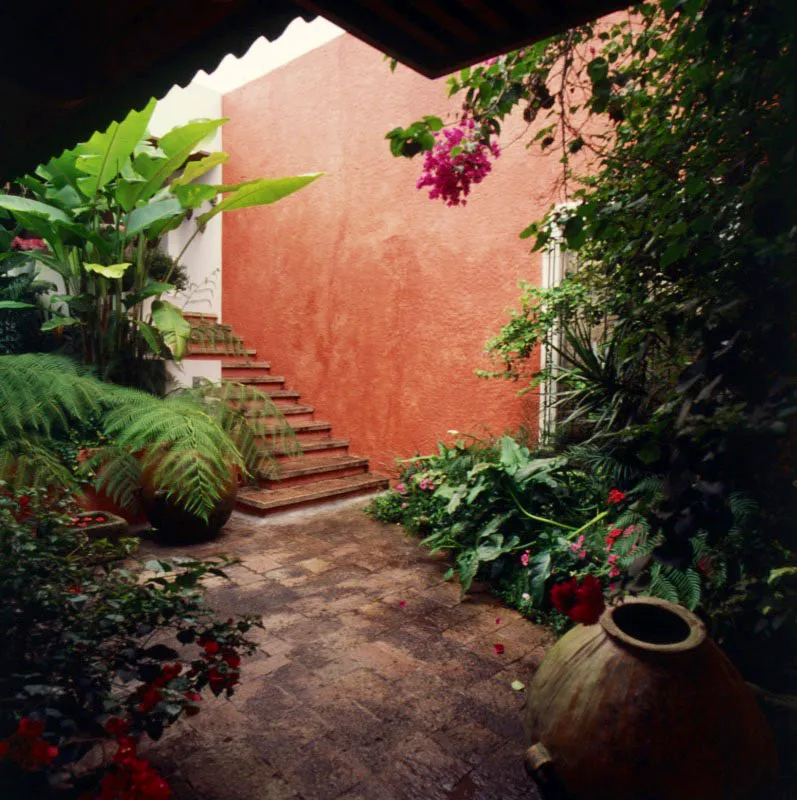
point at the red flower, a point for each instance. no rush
(612, 537)
(582, 603)
(23, 501)
(402, 603)
(149, 699)
(171, 671)
(499, 649)
(75, 590)
(211, 648)
(27, 748)
(704, 565)
(18, 243)
(30, 727)
(192, 697)
(616, 496)
(232, 659)
(116, 726)
(498, 620)
(563, 595)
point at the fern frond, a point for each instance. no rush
(29, 461)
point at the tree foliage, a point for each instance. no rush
(682, 212)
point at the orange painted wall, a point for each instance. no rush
(374, 301)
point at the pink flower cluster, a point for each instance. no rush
(426, 484)
(18, 243)
(451, 176)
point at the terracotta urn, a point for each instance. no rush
(644, 706)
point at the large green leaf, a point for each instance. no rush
(34, 208)
(141, 219)
(150, 336)
(196, 169)
(177, 144)
(112, 271)
(260, 193)
(540, 566)
(59, 322)
(151, 289)
(195, 194)
(105, 153)
(172, 325)
(14, 304)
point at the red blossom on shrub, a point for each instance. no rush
(616, 496)
(23, 501)
(18, 243)
(211, 648)
(27, 749)
(192, 697)
(613, 536)
(582, 603)
(132, 778)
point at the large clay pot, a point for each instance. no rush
(177, 525)
(644, 706)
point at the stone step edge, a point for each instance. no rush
(286, 411)
(210, 351)
(314, 466)
(315, 445)
(263, 379)
(301, 426)
(246, 365)
(273, 499)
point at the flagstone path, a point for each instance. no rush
(372, 680)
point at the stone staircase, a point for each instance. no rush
(324, 471)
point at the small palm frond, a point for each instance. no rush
(118, 475)
(40, 392)
(29, 461)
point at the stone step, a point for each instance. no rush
(237, 370)
(293, 410)
(302, 471)
(250, 380)
(200, 315)
(271, 501)
(269, 380)
(301, 428)
(194, 351)
(283, 394)
(316, 448)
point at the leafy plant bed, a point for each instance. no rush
(558, 540)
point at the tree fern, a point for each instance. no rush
(188, 444)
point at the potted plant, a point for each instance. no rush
(189, 448)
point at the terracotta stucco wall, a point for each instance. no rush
(373, 300)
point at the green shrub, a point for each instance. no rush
(95, 650)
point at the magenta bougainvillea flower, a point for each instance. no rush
(459, 159)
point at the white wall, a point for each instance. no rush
(263, 56)
(203, 257)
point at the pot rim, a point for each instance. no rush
(694, 638)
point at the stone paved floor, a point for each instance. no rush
(372, 681)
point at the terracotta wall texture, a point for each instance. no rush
(374, 301)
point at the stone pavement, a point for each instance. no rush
(372, 680)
